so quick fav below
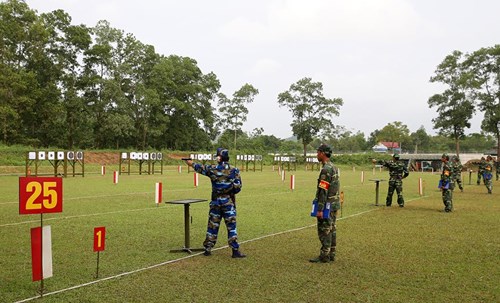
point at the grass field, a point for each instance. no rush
(413, 254)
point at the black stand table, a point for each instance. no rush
(186, 203)
(377, 183)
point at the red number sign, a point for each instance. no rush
(40, 195)
(99, 238)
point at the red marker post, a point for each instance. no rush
(158, 193)
(196, 180)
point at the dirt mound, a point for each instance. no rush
(102, 158)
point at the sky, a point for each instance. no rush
(377, 55)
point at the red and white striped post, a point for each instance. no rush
(115, 177)
(362, 177)
(292, 182)
(196, 180)
(103, 170)
(283, 175)
(179, 169)
(41, 253)
(158, 193)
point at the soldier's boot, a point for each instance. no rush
(448, 207)
(331, 256)
(238, 254)
(320, 259)
(401, 202)
(388, 202)
(208, 251)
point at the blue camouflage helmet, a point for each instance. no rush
(223, 153)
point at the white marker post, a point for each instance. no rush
(292, 182)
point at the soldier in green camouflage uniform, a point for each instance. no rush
(488, 174)
(480, 170)
(397, 172)
(327, 196)
(456, 167)
(445, 184)
(497, 166)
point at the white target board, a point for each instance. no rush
(41, 155)
(79, 155)
(60, 155)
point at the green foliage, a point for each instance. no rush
(311, 111)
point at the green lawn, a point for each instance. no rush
(414, 254)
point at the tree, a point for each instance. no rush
(484, 65)
(233, 111)
(420, 139)
(394, 132)
(311, 111)
(454, 106)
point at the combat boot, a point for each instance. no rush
(207, 252)
(238, 254)
(320, 259)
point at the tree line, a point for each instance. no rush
(73, 86)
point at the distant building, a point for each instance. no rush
(380, 148)
(383, 147)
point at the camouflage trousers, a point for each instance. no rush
(327, 233)
(447, 199)
(489, 184)
(221, 208)
(395, 184)
(459, 182)
(479, 176)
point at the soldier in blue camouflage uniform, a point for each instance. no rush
(328, 203)
(226, 183)
(446, 183)
(397, 172)
(488, 174)
(456, 167)
(480, 170)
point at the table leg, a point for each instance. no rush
(186, 226)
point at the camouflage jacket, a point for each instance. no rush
(446, 175)
(488, 168)
(225, 179)
(456, 168)
(481, 166)
(328, 187)
(397, 170)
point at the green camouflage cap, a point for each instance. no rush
(325, 148)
